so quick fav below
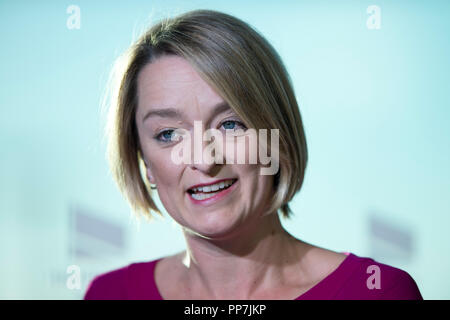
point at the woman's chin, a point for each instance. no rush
(214, 228)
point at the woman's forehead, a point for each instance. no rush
(170, 78)
(171, 82)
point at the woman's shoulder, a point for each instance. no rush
(366, 278)
(123, 283)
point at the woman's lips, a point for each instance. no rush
(211, 183)
(218, 195)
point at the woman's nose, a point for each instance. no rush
(206, 156)
(203, 167)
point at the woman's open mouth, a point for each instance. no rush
(211, 191)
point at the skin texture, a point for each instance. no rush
(233, 250)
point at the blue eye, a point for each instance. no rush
(231, 125)
(165, 136)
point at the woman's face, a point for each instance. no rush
(171, 83)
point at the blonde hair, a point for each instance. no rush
(241, 66)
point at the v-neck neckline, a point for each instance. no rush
(330, 283)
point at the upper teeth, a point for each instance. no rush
(214, 187)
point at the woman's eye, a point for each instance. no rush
(165, 136)
(233, 125)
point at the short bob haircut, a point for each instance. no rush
(241, 66)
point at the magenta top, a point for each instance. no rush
(356, 278)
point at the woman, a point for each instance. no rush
(209, 70)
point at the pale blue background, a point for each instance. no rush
(375, 105)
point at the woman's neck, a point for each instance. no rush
(240, 266)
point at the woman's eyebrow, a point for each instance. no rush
(163, 113)
(219, 108)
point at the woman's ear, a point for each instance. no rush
(150, 176)
(149, 172)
